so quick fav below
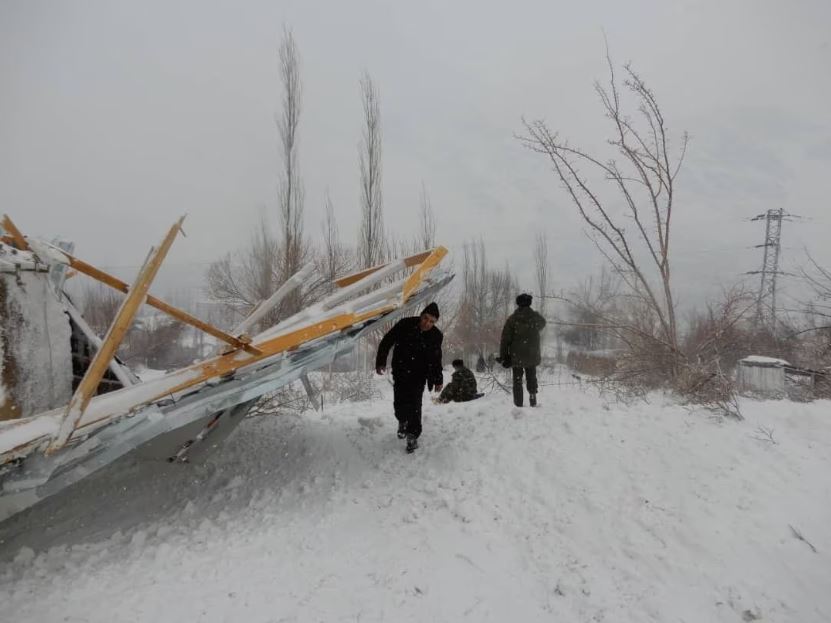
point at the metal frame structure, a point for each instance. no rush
(43, 453)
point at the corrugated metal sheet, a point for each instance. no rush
(763, 380)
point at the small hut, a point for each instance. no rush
(762, 376)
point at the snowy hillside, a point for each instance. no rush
(574, 511)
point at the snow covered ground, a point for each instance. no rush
(575, 511)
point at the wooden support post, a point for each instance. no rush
(310, 391)
(118, 329)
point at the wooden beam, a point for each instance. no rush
(178, 314)
(118, 329)
(411, 261)
(14, 233)
(429, 263)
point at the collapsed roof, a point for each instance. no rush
(43, 450)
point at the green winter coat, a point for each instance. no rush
(521, 338)
(461, 389)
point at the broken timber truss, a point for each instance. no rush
(45, 452)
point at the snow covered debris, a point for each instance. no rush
(19, 432)
(575, 511)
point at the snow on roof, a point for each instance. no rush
(764, 361)
(12, 259)
(15, 433)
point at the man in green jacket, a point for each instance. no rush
(520, 347)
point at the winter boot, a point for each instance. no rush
(412, 444)
(518, 397)
(532, 400)
(402, 430)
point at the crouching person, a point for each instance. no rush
(462, 387)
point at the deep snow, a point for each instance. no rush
(578, 510)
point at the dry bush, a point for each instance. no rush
(291, 399)
(601, 366)
(350, 387)
(100, 305)
(156, 342)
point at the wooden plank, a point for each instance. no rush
(410, 261)
(429, 263)
(14, 233)
(226, 364)
(118, 329)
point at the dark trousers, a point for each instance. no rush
(407, 392)
(531, 380)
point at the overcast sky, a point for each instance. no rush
(115, 117)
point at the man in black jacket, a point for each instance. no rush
(416, 359)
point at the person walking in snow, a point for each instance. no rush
(416, 359)
(520, 347)
(462, 387)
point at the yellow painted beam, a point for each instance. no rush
(14, 233)
(411, 261)
(428, 264)
(118, 329)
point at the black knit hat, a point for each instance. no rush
(433, 310)
(458, 363)
(524, 300)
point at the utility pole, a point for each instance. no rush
(766, 298)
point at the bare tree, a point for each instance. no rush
(241, 281)
(815, 336)
(484, 303)
(644, 178)
(371, 244)
(592, 305)
(334, 256)
(427, 221)
(100, 305)
(541, 270)
(291, 194)
(818, 279)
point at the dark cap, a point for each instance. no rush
(458, 363)
(433, 310)
(524, 300)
